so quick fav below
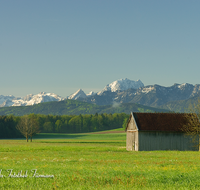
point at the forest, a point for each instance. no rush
(63, 123)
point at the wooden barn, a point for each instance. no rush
(157, 131)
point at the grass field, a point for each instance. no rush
(93, 161)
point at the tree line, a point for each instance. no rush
(29, 125)
(8, 127)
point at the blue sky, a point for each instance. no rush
(61, 46)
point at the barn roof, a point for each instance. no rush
(160, 121)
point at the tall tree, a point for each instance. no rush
(192, 127)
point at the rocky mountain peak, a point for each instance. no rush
(78, 94)
(121, 85)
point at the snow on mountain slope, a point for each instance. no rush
(122, 84)
(78, 94)
(5, 98)
(90, 93)
(196, 90)
(36, 99)
(29, 99)
(147, 89)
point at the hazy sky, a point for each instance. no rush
(61, 46)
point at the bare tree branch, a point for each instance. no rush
(23, 126)
(28, 126)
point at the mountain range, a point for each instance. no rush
(177, 97)
(173, 98)
(6, 101)
(122, 84)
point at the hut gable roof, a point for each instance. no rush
(160, 121)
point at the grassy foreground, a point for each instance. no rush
(94, 161)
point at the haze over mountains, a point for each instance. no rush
(116, 93)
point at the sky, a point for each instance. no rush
(62, 46)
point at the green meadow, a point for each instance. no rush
(93, 161)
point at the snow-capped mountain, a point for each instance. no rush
(151, 95)
(78, 94)
(119, 91)
(30, 99)
(156, 95)
(121, 85)
(118, 85)
(91, 93)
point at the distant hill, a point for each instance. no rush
(75, 107)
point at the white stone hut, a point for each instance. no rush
(157, 131)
